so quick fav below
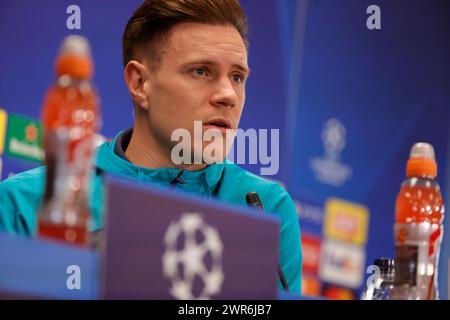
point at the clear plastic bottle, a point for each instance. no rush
(70, 118)
(418, 229)
(380, 288)
(405, 287)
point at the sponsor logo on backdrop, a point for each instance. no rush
(195, 246)
(310, 253)
(328, 168)
(24, 139)
(337, 293)
(346, 221)
(342, 263)
(311, 286)
(3, 121)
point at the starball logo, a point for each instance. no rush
(329, 169)
(182, 247)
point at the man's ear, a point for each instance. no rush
(137, 80)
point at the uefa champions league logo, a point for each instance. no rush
(329, 169)
(192, 259)
(333, 138)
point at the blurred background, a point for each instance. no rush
(349, 102)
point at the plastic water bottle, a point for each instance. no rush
(70, 118)
(405, 283)
(418, 229)
(381, 287)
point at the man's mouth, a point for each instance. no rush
(218, 123)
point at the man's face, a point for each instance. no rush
(201, 77)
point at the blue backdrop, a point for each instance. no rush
(387, 88)
(349, 102)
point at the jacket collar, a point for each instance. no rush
(111, 158)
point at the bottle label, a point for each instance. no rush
(417, 248)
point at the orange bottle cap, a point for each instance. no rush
(75, 58)
(74, 66)
(421, 161)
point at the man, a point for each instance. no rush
(185, 61)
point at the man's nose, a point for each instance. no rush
(224, 93)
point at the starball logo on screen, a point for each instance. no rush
(191, 255)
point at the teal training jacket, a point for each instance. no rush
(21, 195)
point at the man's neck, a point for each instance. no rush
(144, 151)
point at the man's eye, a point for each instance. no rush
(237, 78)
(200, 71)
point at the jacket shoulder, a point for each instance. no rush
(24, 180)
(20, 198)
(27, 180)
